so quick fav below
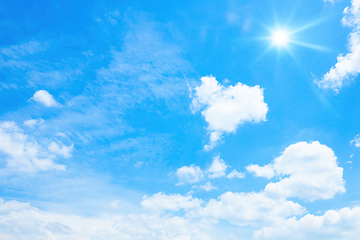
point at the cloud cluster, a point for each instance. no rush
(19, 220)
(269, 211)
(225, 108)
(24, 154)
(347, 66)
(340, 224)
(304, 170)
(194, 174)
(249, 209)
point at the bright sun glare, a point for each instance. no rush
(280, 38)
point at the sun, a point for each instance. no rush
(280, 38)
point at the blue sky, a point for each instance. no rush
(179, 120)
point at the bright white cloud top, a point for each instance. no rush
(225, 108)
(311, 172)
(44, 98)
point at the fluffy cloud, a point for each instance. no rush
(235, 174)
(356, 141)
(266, 171)
(194, 174)
(225, 108)
(207, 187)
(24, 154)
(337, 225)
(191, 174)
(312, 172)
(44, 98)
(249, 208)
(174, 202)
(217, 168)
(347, 66)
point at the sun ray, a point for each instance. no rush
(307, 26)
(309, 45)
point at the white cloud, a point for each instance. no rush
(19, 220)
(356, 141)
(61, 149)
(13, 56)
(173, 202)
(17, 51)
(249, 208)
(336, 225)
(207, 187)
(235, 174)
(23, 153)
(225, 108)
(217, 168)
(33, 122)
(331, 1)
(191, 174)
(44, 98)
(266, 171)
(312, 172)
(347, 66)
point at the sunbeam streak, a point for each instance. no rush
(309, 45)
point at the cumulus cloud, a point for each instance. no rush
(342, 224)
(207, 187)
(191, 174)
(311, 172)
(266, 171)
(24, 153)
(249, 208)
(217, 168)
(225, 108)
(347, 66)
(44, 98)
(356, 141)
(235, 174)
(173, 202)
